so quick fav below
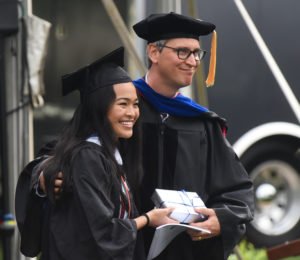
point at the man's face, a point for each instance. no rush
(175, 71)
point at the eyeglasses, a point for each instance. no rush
(185, 53)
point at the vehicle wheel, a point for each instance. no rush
(275, 172)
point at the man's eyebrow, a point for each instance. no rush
(196, 49)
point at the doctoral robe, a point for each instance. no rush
(191, 153)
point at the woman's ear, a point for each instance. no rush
(153, 52)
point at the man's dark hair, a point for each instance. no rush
(160, 44)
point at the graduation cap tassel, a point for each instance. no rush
(213, 59)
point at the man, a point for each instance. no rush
(184, 147)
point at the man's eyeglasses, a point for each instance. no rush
(185, 53)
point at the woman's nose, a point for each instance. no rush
(130, 111)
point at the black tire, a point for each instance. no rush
(275, 171)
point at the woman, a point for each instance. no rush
(96, 218)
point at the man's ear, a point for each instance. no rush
(153, 53)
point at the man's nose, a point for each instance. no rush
(191, 60)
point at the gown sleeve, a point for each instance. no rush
(97, 191)
(230, 189)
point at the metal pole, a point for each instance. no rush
(15, 125)
(29, 110)
(166, 6)
(200, 92)
(12, 127)
(6, 234)
(123, 32)
(278, 75)
(237, 252)
(136, 12)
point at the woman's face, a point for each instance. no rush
(124, 111)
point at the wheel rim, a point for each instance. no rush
(277, 197)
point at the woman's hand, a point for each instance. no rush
(158, 217)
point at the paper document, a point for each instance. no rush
(165, 234)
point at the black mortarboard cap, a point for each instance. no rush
(106, 71)
(171, 25)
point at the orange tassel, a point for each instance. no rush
(213, 60)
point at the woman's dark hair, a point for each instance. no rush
(90, 117)
(131, 152)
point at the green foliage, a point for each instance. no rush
(249, 252)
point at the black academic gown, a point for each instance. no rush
(192, 154)
(85, 225)
(179, 153)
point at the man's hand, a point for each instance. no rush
(57, 184)
(211, 223)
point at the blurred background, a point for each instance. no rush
(256, 89)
